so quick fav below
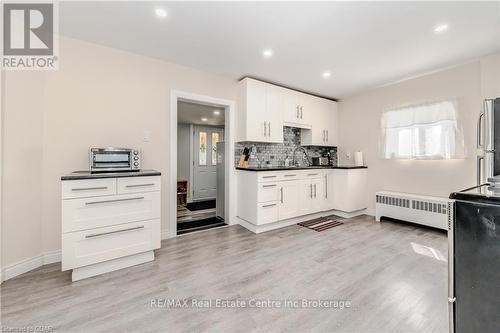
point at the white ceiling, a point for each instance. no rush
(191, 113)
(363, 44)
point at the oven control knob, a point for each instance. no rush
(136, 164)
(136, 158)
(136, 152)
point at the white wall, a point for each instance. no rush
(183, 151)
(22, 166)
(99, 96)
(360, 129)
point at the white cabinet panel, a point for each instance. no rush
(267, 192)
(305, 196)
(267, 212)
(88, 213)
(89, 247)
(138, 184)
(291, 106)
(84, 188)
(255, 107)
(349, 191)
(289, 200)
(274, 114)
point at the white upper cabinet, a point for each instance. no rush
(324, 127)
(261, 109)
(274, 113)
(265, 108)
(298, 108)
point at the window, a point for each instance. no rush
(426, 131)
(215, 139)
(202, 144)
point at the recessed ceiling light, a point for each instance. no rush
(267, 53)
(216, 112)
(160, 12)
(204, 119)
(439, 29)
(327, 74)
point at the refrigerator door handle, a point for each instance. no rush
(479, 170)
(480, 143)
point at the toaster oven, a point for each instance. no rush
(321, 161)
(114, 159)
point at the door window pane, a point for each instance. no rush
(215, 139)
(202, 146)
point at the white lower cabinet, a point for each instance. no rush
(110, 223)
(289, 204)
(267, 197)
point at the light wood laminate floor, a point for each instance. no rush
(394, 275)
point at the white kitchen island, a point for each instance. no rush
(109, 220)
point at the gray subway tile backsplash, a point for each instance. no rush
(272, 154)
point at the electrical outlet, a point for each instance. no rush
(348, 156)
(146, 136)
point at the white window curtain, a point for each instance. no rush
(425, 131)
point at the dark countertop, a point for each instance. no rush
(87, 175)
(301, 168)
(484, 193)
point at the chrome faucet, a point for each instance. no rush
(296, 163)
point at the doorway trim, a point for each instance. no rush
(230, 171)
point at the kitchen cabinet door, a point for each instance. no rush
(289, 200)
(328, 186)
(332, 124)
(317, 201)
(305, 197)
(254, 122)
(274, 114)
(291, 107)
(308, 105)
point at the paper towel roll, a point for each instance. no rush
(358, 158)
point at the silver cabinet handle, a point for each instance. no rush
(281, 195)
(265, 130)
(140, 185)
(301, 112)
(480, 130)
(311, 186)
(113, 232)
(89, 188)
(315, 190)
(312, 174)
(269, 177)
(265, 186)
(271, 205)
(114, 200)
(479, 173)
(290, 175)
(326, 186)
(298, 114)
(326, 135)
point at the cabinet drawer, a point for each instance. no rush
(88, 213)
(267, 192)
(267, 212)
(85, 188)
(267, 177)
(313, 174)
(88, 247)
(138, 184)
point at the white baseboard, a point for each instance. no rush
(165, 234)
(29, 264)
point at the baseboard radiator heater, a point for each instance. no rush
(424, 210)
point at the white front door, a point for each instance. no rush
(205, 161)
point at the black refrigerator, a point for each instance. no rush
(474, 260)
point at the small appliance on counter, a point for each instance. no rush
(114, 159)
(320, 161)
